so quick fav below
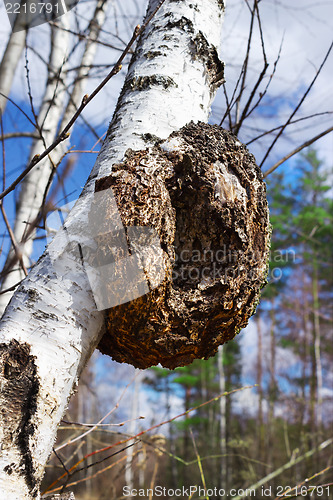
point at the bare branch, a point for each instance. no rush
(298, 105)
(15, 135)
(261, 76)
(297, 150)
(85, 101)
(16, 247)
(267, 132)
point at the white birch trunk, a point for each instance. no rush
(52, 316)
(10, 59)
(87, 59)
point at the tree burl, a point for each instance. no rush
(203, 194)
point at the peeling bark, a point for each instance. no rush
(203, 193)
(59, 496)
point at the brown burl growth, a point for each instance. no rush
(203, 193)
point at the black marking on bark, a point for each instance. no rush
(9, 468)
(30, 295)
(208, 55)
(151, 54)
(183, 23)
(146, 82)
(62, 496)
(18, 398)
(44, 316)
(151, 139)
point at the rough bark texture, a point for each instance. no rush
(60, 496)
(203, 193)
(19, 380)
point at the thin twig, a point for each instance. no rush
(309, 489)
(11, 288)
(19, 108)
(86, 478)
(202, 475)
(3, 154)
(284, 467)
(15, 135)
(141, 433)
(298, 105)
(245, 63)
(297, 150)
(73, 470)
(82, 36)
(261, 76)
(30, 95)
(228, 110)
(267, 132)
(16, 247)
(95, 426)
(4, 215)
(262, 94)
(45, 208)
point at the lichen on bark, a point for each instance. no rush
(204, 195)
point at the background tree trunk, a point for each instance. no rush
(52, 320)
(9, 62)
(223, 423)
(35, 186)
(36, 183)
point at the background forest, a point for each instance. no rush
(257, 416)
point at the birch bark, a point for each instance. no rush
(51, 326)
(10, 59)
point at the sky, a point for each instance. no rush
(301, 29)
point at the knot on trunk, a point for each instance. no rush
(203, 194)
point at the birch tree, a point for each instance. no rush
(12, 54)
(53, 111)
(54, 321)
(34, 185)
